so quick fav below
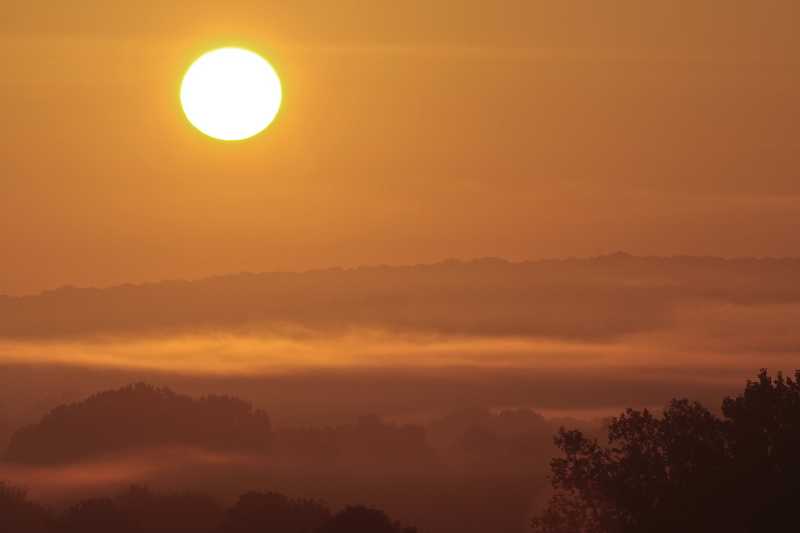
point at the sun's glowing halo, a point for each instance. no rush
(231, 94)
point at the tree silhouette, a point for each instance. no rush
(763, 431)
(19, 514)
(97, 516)
(359, 519)
(257, 512)
(686, 470)
(181, 512)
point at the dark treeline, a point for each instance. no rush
(139, 510)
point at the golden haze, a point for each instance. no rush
(410, 133)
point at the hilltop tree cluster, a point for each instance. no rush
(140, 416)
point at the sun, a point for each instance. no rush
(231, 94)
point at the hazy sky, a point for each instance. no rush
(411, 131)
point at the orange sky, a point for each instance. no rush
(411, 131)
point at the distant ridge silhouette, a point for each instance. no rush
(581, 299)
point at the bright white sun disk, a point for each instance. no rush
(231, 94)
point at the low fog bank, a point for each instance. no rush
(609, 315)
(223, 446)
(337, 396)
